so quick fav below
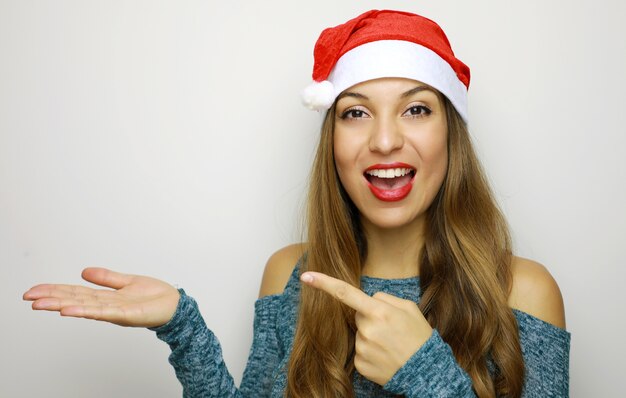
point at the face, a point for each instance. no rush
(390, 147)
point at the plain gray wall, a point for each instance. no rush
(167, 138)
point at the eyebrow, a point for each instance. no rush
(353, 95)
(416, 90)
(403, 95)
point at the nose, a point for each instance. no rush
(386, 136)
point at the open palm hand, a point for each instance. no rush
(132, 300)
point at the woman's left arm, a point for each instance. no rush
(395, 346)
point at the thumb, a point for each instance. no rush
(106, 277)
(391, 299)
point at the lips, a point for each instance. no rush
(390, 182)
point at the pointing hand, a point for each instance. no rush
(389, 329)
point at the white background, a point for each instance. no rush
(167, 138)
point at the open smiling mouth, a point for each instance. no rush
(389, 183)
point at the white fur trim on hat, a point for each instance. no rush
(393, 58)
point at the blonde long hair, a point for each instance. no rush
(464, 269)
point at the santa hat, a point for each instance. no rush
(385, 44)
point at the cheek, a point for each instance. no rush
(345, 153)
(440, 165)
(434, 154)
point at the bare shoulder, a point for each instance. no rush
(535, 292)
(279, 268)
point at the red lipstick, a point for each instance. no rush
(390, 194)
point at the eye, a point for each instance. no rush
(354, 113)
(417, 111)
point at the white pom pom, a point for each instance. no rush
(319, 96)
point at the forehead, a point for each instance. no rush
(388, 88)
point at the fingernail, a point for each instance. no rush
(308, 278)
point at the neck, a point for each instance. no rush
(393, 253)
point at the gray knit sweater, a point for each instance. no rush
(431, 372)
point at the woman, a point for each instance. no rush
(399, 214)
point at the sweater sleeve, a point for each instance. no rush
(265, 354)
(197, 355)
(431, 372)
(545, 348)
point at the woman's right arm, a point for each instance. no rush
(196, 353)
(141, 301)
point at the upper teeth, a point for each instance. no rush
(388, 173)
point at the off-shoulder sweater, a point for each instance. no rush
(432, 371)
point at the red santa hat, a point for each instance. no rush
(385, 44)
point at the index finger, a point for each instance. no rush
(341, 290)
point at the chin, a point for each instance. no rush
(394, 219)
